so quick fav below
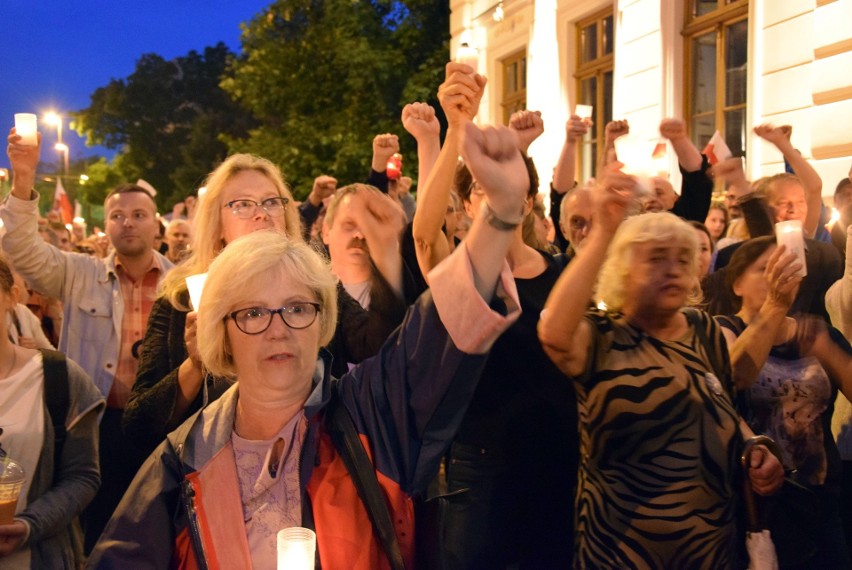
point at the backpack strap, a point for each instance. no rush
(56, 397)
(351, 449)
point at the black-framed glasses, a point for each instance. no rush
(245, 208)
(255, 320)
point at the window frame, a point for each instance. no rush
(717, 22)
(595, 69)
(516, 100)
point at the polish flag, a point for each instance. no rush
(716, 150)
(62, 203)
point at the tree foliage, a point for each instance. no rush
(314, 82)
(322, 77)
(167, 119)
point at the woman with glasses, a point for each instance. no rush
(264, 456)
(244, 194)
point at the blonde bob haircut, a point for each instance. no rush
(207, 226)
(233, 278)
(663, 227)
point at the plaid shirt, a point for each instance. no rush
(139, 297)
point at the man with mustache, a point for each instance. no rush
(106, 305)
(362, 229)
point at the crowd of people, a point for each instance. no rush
(448, 379)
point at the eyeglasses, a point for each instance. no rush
(255, 320)
(246, 208)
(578, 224)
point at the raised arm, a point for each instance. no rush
(41, 264)
(459, 95)
(381, 219)
(528, 125)
(687, 155)
(780, 137)
(384, 147)
(565, 172)
(420, 121)
(750, 350)
(612, 131)
(562, 330)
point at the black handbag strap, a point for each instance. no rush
(351, 450)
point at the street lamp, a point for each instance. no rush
(54, 119)
(63, 148)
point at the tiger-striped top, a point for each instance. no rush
(658, 440)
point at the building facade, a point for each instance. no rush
(725, 65)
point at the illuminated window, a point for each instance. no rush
(514, 84)
(716, 34)
(595, 43)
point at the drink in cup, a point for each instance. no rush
(11, 482)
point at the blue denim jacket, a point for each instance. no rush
(87, 286)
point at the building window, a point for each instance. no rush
(595, 43)
(716, 35)
(514, 84)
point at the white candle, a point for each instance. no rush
(296, 548)
(468, 55)
(195, 284)
(790, 234)
(26, 125)
(584, 111)
(637, 155)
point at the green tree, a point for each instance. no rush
(322, 77)
(167, 119)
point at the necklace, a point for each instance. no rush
(14, 362)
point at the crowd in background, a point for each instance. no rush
(533, 389)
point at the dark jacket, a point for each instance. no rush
(407, 409)
(359, 335)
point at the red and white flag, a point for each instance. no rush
(62, 203)
(716, 149)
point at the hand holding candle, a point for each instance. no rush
(195, 284)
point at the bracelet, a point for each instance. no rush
(497, 223)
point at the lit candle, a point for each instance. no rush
(296, 548)
(790, 234)
(195, 284)
(468, 55)
(584, 111)
(26, 125)
(637, 155)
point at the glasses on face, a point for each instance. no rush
(246, 208)
(255, 320)
(579, 224)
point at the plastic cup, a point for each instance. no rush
(790, 234)
(26, 126)
(296, 548)
(11, 481)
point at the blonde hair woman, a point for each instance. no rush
(262, 457)
(244, 194)
(660, 438)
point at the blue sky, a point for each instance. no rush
(55, 54)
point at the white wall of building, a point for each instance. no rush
(800, 70)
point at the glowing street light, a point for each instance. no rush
(63, 148)
(54, 119)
